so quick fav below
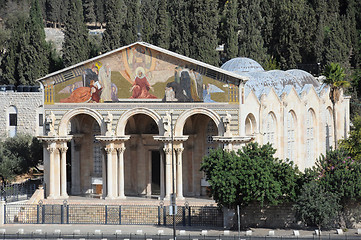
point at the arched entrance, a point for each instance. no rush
(143, 165)
(86, 161)
(200, 128)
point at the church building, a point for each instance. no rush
(116, 123)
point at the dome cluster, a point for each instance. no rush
(259, 79)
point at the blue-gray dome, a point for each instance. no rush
(241, 64)
(304, 77)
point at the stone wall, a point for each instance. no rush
(28, 106)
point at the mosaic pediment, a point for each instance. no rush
(139, 73)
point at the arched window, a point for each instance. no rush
(329, 129)
(250, 124)
(270, 130)
(13, 121)
(310, 143)
(291, 136)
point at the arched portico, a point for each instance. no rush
(123, 120)
(63, 125)
(178, 129)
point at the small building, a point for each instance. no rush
(115, 123)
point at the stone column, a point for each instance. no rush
(179, 152)
(162, 193)
(120, 151)
(104, 174)
(51, 148)
(168, 171)
(63, 191)
(110, 182)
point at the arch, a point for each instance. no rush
(179, 125)
(12, 121)
(63, 125)
(250, 124)
(271, 129)
(122, 122)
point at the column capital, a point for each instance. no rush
(63, 149)
(167, 150)
(120, 149)
(51, 149)
(179, 150)
(109, 150)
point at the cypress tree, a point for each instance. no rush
(99, 8)
(54, 11)
(113, 36)
(250, 40)
(179, 27)
(133, 21)
(231, 29)
(89, 13)
(149, 17)
(76, 44)
(204, 27)
(287, 33)
(36, 50)
(162, 35)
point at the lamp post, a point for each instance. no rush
(173, 198)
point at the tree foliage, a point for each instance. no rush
(18, 155)
(252, 174)
(316, 207)
(353, 143)
(76, 40)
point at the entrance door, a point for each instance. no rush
(155, 173)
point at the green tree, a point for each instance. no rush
(230, 29)
(149, 16)
(34, 60)
(133, 21)
(99, 8)
(162, 34)
(335, 79)
(204, 25)
(115, 17)
(89, 13)
(18, 155)
(76, 42)
(250, 175)
(353, 143)
(180, 39)
(316, 207)
(250, 40)
(338, 173)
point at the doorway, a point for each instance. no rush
(155, 184)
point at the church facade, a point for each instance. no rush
(117, 122)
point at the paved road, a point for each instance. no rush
(74, 231)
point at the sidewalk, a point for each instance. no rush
(124, 230)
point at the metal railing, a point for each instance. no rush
(17, 191)
(111, 214)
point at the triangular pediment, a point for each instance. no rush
(141, 72)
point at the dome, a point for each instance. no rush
(304, 77)
(258, 81)
(241, 64)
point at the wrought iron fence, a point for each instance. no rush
(112, 214)
(17, 191)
